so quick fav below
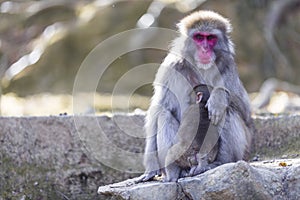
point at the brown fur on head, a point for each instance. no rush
(203, 19)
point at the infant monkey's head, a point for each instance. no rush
(202, 93)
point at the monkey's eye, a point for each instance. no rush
(211, 37)
(198, 37)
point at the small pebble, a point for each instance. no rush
(256, 158)
(63, 114)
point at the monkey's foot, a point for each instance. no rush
(147, 176)
(165, 180)
(184, 173)
(200, 170)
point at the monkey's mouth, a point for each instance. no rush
(205, 57)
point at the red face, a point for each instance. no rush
(205, 43)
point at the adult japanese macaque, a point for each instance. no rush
(202, 54)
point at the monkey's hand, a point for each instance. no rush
(217, 104)
(147, 176)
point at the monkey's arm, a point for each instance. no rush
(229, 94)
(243, 109)
(239, 99)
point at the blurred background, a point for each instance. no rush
(44, 42)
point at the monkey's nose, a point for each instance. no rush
(205, 48)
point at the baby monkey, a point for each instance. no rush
(196, 142)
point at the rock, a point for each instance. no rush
(233, 181)
(73, 155)
(292, 183)
(229, 181)
(64, 155)
(276, 135)
(144, 191)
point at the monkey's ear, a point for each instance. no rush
(199, 96)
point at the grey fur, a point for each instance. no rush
(228, 105)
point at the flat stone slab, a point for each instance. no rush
(239, 180)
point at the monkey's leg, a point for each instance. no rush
(167, 128)
(172, 173)
(172, 170)
(233, 139)
(150, 161)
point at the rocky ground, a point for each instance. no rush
(69, 157)
(239, 180)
